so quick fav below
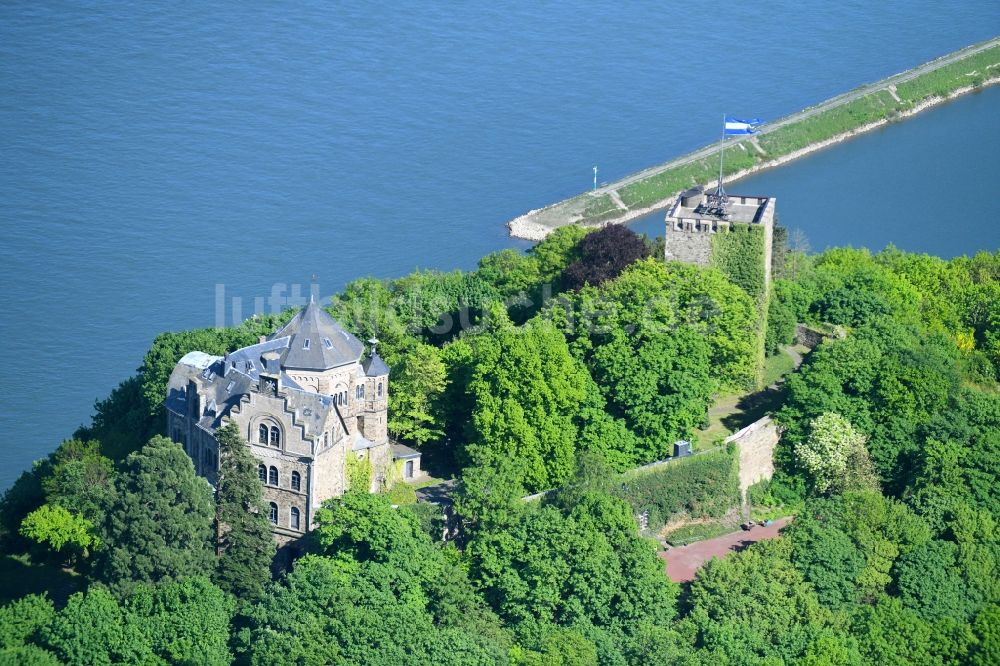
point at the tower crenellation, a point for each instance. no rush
(734, 234)
(694, 218)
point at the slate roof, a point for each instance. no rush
(249, 361)
(403, 452)
(221, 386)
(311, 409)
(316, 342)
(361, 442)
(374, 365)
(222, 381)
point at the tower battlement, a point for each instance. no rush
(693, 219)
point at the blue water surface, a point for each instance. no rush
(150, 152)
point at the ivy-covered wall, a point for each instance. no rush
(702, 486)
(741, 254)
(358, 471)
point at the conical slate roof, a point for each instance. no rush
(317, 341)
(374, 366)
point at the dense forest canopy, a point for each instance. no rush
(561, 369)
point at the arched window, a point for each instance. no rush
(262, 434)
(362, 387)
(262, 473)
(274, 512)
(294, 516)
(272, 476)
(380, 389)
(275, 436)
(296, 481)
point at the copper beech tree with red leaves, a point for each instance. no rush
(604, 255)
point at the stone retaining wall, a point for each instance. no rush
(756, 445)
(810, 337)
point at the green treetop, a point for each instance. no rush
(243, 533)
(160, 524)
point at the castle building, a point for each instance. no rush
(696, 216)
(311, 407)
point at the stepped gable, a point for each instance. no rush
(222, 383)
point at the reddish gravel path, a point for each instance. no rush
(683, 562)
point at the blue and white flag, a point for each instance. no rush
(737, 126)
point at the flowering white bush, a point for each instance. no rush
(832, 442)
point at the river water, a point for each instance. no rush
(922, 184)
(159, 159)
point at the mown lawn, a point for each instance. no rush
(700, 531)
(777, 366)
(967, 72)
(731, 412)
(870, 108)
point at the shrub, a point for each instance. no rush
(704, 485)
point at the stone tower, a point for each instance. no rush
(692, 221)
(734, 234)
(376, 396)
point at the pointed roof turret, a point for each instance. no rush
(317, 342)
(374, 366)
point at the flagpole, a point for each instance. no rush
(722, 149)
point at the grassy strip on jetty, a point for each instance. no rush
(868, 106)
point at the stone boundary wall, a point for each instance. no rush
(810, 337)
(756, 445)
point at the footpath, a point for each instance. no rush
(683, 562)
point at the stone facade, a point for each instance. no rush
(756, 445)
(689, 227)
(811, 337)
(689, 246)
(305, 401)
(407, 462)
